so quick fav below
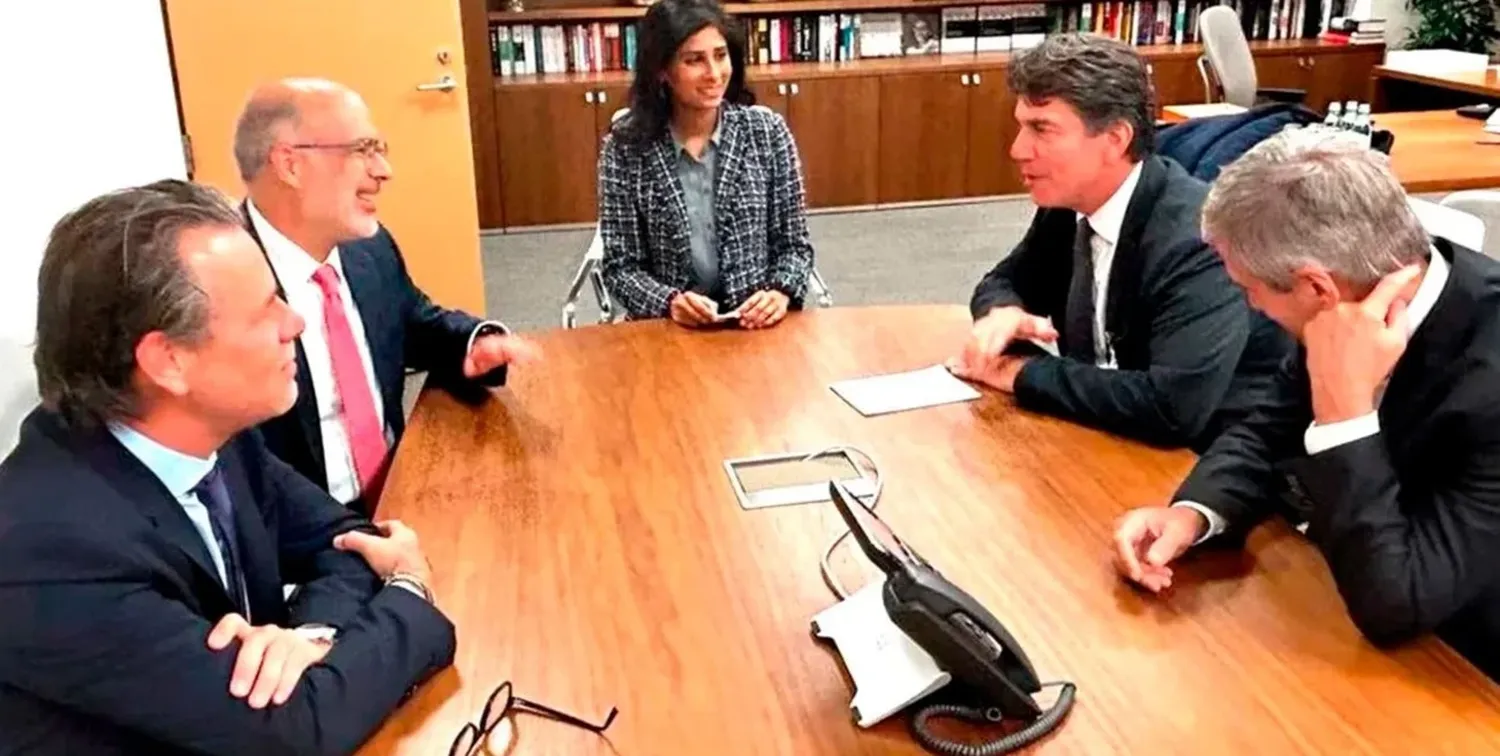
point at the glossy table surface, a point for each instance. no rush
(588, 545)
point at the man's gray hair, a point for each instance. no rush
(256, 131)
(112, 273)
(1308, 196)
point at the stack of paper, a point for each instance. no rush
(880, 394)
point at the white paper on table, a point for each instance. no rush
(895, 392)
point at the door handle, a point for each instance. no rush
(603, 97)
(781, 89)
(445, 84)
(976, 79)
(795, 90)
(963, 79)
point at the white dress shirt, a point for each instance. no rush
(294, 269)
(1321, 438)
(1106, 223)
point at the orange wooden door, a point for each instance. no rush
(383, 49)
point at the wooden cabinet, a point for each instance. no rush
(549, 150)
(946, 135)
(1177, 81)
(1340, 76)
(992, 129)
(922, 155)
(833, 121)
(874, 132)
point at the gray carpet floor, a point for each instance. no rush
(896, 256)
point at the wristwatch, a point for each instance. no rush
(410, 582)
(317, 633)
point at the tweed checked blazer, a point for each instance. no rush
(760, 216)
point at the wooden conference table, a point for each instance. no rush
(1435, 150)
(586, 541)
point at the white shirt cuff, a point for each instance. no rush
(1320, 438)
(475, 333)
(1216, 521)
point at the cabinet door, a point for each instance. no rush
(607, 102)
(992, 129)
(1282, 72)
(923, 141)
(835, 122)
(772, 94)
(1340, 75)
(548, 149)
(1177, 82)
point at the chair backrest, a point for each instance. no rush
(1484, 205)
(1228, 54)
(18, 392)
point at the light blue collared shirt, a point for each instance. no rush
(180, 473)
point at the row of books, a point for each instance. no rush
(526, 49)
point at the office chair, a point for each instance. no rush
(1227, 68)
(590, 272)
(18, 390)
(1483, 205)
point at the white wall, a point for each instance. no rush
(1397, 20)
(89, 108)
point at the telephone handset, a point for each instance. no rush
(960, 635)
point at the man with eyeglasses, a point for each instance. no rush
(313, 164)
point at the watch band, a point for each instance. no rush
(411, 583)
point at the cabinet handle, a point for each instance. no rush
(963, 79)
(795, 89)
(976, 79)
(588, 97)
(603, 96)
(781, 89)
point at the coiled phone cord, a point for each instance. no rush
(1041, 726)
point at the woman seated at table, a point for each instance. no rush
(701, 204)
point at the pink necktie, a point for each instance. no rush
(356, 405)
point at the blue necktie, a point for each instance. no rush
(215, 496)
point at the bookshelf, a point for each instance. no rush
(871, 131)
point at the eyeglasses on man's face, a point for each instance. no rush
(501, 702)
(367, 148)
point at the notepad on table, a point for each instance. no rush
(896, 392)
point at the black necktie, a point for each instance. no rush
(215, 496)
(1078, 321)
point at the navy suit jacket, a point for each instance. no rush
(404, 331)
(1193, 357)
(108, 596)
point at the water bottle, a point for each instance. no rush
(1351, 109)
(1335, 113)
(1362, 125)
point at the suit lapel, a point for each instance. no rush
(664, 163)
(730, 157)
(138, 485)
(306, 408)
(257, 551)
(1125, 272)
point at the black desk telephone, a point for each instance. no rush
(961, 636)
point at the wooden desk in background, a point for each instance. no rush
(1398, 89)
(1435, 151)
(585, 539)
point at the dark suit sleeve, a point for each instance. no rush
(624, 265)
(1407, 558)
(1199, 327)
(111, 646)
(437, 339)
(332, 585)
(1010, 282)
(791, 251)
(1237, 475)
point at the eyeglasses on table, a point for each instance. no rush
(501, 702)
